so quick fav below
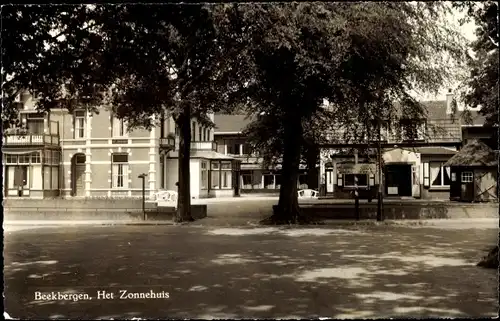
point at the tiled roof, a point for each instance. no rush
(477, 118)
(475, 153)
(436, 110)
(435, 151)
(225, 123)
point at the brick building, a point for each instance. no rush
(81, 154)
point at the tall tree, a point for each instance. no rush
(359, 56)
(143, 61)
(483, 80)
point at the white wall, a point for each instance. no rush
(10, 183)
(37, 177)
(172, 174)
(195, 174)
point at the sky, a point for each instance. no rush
(468, 31)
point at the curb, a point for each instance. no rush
(78, 223)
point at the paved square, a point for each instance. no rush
(266, 272)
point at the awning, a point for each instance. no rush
(208, 154)
(18, 152)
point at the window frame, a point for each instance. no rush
(442, 170)
(355, 175)
(471, 176)
(123, 167)
(79, 128)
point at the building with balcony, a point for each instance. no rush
(31, 155)
(80, 154)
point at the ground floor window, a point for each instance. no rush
(302, 181)
(162, 171)
(439, 174)
(269, 181)
(119, 170)
(246, 180)
(221, 175)
(204, 175)
(349, 180)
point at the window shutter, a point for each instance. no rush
(371, 180)
(339, 180)
(426, 175)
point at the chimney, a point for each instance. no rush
(449, 102)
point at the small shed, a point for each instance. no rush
(474, 173)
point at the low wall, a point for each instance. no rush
(401, 211)
(90, 209)
(198, 211)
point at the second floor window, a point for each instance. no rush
(200, 134)
(193, 129)
(79, 124)
(35, 124)
(119, 170)
(119, 127)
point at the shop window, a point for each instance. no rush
(349, 180)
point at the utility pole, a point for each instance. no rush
(356, 192)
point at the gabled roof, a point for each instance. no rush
(225, 123)
(475, 153)
(235, 123)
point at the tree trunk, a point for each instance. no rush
(287, 211)
(312, 171)
(183, 213)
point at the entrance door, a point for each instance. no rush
(467, 186)
(17, 178)
(329, 180)
(398, 180)
(78, 172)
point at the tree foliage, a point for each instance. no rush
(482, 83)
(142, 62)
(361, 57)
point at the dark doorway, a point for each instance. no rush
(78, 175)
(398, 180)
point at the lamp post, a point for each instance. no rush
(143, 177)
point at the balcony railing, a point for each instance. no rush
(167, 142)
(200, 145)
(30, 139)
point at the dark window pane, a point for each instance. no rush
(446, 176)
(120, 158)
(349, 180)
(363, 180)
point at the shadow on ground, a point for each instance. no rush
(361, 272)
